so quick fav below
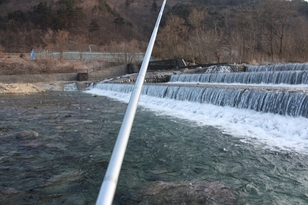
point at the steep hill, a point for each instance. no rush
(200, 31)
(98, 22)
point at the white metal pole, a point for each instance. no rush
(109, 184)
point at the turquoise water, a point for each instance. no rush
(66, 162)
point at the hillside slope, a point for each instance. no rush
(200, 31)
(99, 22)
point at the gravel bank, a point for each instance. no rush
(26, 88)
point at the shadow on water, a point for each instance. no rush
(55, 148)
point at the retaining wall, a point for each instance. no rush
(92, 76)
(108, 73)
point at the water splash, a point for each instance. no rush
(287, 77)
(278, 67)
(272, 130)
(277, 102)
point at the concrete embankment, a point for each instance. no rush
(92, 76)
(31, 83)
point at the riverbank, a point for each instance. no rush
(27, 88)
(56, 82)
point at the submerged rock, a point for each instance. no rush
(30, 143)
(26, 134)
(209, 193)
(61, 182)
(8, 191)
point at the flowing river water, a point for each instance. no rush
(55, 148)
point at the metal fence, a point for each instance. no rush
(104, 56)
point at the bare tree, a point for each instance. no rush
(275, 16)
(80, 43)
(228, 36)
(247, 30)
(285, 10)
(61, 41)
(56, 41)
(296, 41)
(1, 51)
(196, 43)
(131, 50)
(214, 45)
(48, 39)
(171, 37)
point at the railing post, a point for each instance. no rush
(109, 184)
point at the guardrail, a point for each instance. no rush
(105, 56)
(75, 55)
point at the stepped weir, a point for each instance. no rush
(270, 77)
(279, 67)
(280, 89)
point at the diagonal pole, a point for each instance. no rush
(109, 184)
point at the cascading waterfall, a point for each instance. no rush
(279, 67)
(286, 77)
(122, 88)
(270, 100)
(273, 101)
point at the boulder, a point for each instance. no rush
(192, 193)
(26, 134)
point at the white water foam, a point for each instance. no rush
(300, 87)
(275, 131)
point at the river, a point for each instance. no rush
(55, 148)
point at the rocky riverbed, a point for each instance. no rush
(55, 148)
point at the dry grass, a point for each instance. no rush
(18, 66)
(19, 88)
(11, 66)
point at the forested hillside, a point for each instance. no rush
(200, 31)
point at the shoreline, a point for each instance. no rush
(28, 88)
(25, 84)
